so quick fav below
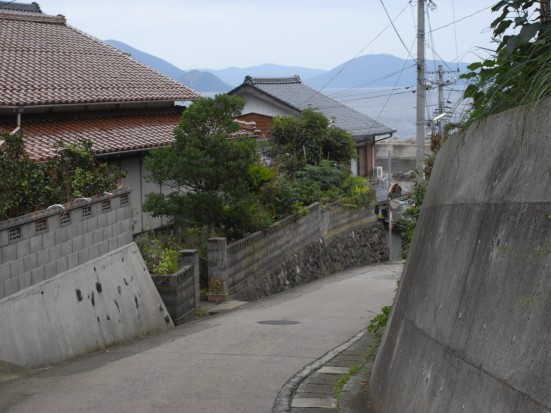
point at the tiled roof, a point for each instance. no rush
(20, 7)
(43, 61)
(294, 93)
(109, 132)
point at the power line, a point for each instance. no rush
(387, 76)
(361, 51)
(395, 83)
(461, 19)
(394, 27)
(455, 36)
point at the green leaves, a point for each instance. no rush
(216, 177)
(27, 186)
(308, 140)
(519, 70)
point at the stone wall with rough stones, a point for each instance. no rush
(298, 250)
(355, 247)
(470, 330)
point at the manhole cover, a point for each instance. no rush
(278, 322)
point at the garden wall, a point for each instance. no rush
(180, 291)
(38, 246)
(297, 250)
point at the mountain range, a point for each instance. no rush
(380, 70)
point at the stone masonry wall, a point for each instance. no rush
(355, 247)
(297, 250)
(38, 246)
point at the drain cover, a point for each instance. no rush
(278, 322)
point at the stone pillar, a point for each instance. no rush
(191, 257)
(217, 257)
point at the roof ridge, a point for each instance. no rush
(272, 80)
(6, 14)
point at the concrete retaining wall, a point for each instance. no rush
(471, 326)
(103, 302)
(353, 247)
(293, 251)
(39, 246)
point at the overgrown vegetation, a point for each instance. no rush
(339, 385)
(406, 224)
(223, 184)
(377, 327)
(519, 71)
(308, 140)
(27, 186)
(160, 254)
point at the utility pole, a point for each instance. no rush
(440, 98)
(421, 89)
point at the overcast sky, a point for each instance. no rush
(215, 34)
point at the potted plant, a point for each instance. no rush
(218, 291)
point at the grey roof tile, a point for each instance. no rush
(294, 93)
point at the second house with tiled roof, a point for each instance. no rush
(288, 96)
(59, 84)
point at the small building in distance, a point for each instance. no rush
(288, 96)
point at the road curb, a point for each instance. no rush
(284, 398)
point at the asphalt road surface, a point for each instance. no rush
(232, 362)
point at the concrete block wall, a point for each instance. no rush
(38, 246)
(337, 218)
(180, 291)
(236, 262)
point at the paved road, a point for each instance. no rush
(226, 363)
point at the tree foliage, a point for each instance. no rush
(519, 71)
(308, 140)
(216, 181)
(27, 186)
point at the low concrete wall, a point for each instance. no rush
(103, 302)
(180, 291)
(471, 328)
(38, 246)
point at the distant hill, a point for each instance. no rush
(380, 70)
(203, 82)
(235, 75)
(149, 60)
(197, 80)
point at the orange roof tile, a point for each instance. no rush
(110, 132)
(43, 61)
